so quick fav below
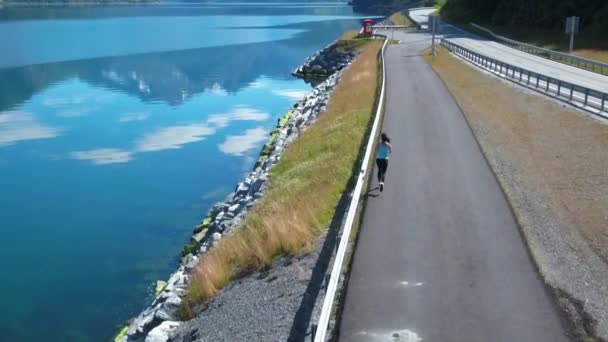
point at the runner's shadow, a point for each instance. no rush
(370, 194)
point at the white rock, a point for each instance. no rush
(191, 264)
(168, 309)
(216, 236)
(242, 189)
(235, 208)
(141, 322)
(173, 280)
(161, 333)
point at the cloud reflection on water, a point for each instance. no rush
(241, 113)
(291, 94)
(174, 137)
(103, 156)
(17, 126)
(238, 145)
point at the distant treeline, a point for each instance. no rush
(549, 14)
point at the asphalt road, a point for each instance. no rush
(421, 16)
(440, 257)
(512, 56)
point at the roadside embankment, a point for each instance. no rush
(551, 162)
(261, 248)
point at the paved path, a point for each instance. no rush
(440, 257)
(522, 59)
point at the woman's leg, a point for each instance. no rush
(384, 168)
(379, 165)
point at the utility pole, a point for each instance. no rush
(433, 30)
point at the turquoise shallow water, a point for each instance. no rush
(119, 128)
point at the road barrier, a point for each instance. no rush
(573, 60)
(336, 272)
(580, 96)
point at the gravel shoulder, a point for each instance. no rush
(551, 162)
(259, 307)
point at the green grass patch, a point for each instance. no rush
(305, 186)
(191, 247)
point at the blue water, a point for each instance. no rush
(119, 128)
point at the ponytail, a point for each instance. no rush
(385, 138)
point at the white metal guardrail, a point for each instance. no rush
(332, 285)
(387, 27)
(579, 62)
(420, 8)
(580, 96)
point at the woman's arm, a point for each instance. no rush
(390, 148)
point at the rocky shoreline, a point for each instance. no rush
(325, 62)
(157, 322)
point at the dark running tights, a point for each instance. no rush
(382, 167)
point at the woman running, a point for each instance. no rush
(384, 151)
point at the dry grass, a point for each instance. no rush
(399, 19)
(556, 151)
(598, 55)
(305, 186)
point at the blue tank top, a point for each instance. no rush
(383, 152)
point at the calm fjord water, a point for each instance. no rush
(119, 128)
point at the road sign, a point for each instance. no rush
(572, 24)
(434, 21)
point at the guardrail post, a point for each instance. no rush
(586, 95)
(548, 83)
(520, 74)
(537, 80)
(571, 91)
(528, 80)
(559, 87)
